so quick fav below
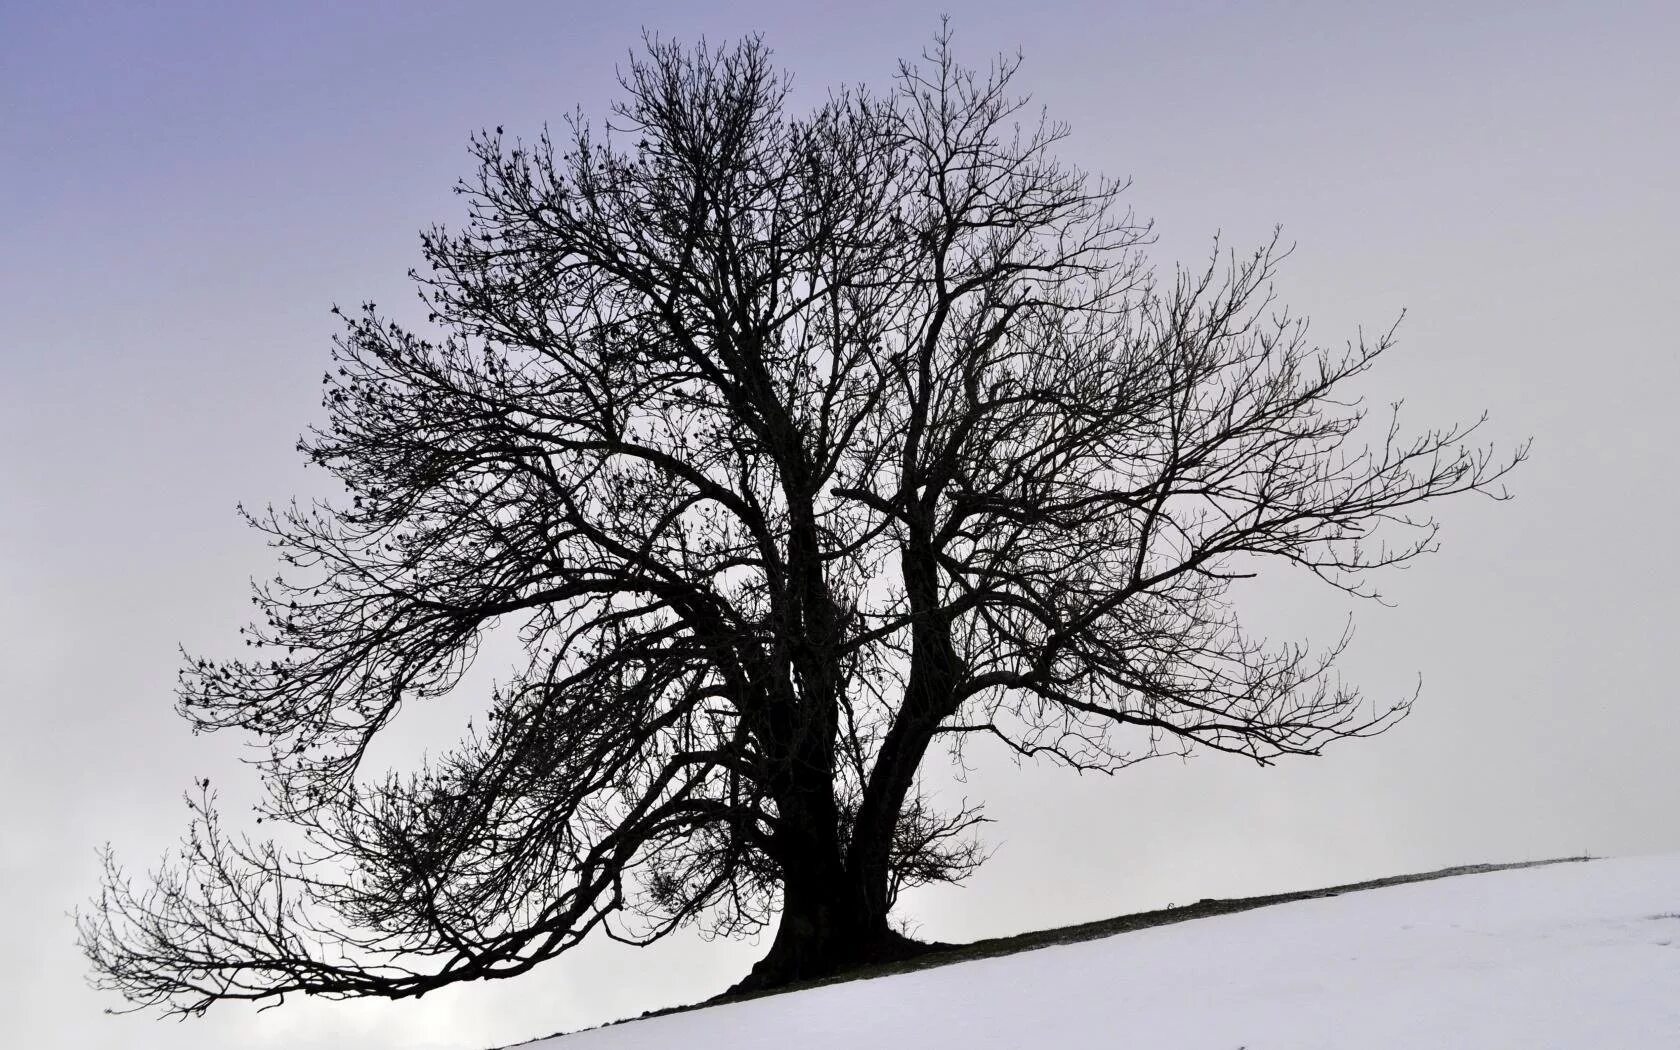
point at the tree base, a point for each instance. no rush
(797, 959)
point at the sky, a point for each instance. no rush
(186, 189)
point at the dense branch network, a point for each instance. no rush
(788, 446)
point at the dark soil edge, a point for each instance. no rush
(992, 947)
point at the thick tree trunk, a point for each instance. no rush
(834, 901)
(826, 930)
(829, 922)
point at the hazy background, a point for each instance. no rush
(186, 188)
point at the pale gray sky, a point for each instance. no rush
(186, 187)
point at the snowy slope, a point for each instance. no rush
(1566, 956)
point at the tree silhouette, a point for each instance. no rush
(789, 446)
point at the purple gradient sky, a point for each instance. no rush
(187, 187)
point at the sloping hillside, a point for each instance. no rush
(1564, 956)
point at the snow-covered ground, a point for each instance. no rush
(1567, 956)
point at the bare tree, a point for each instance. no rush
(789, 446)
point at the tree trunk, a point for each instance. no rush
(834, 901)
(826, 929)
